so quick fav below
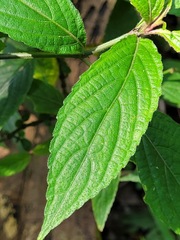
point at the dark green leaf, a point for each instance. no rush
(14, 163)
(122, 11)
(2, 45)
(103, 202)
(50, 25)
(157, 159)
(15, 81)
(100, 125)
(45, 98)
(175, 9)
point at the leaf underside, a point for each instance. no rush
(173, 38)
(50, 25)
(103, 202)
(157, 159)
(100, 125)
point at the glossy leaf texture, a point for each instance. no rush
(100, 125)
(148, 9)
(50, 25)
(14, 163)
(15, 81)
(103, 202)
(157, 159)
(45, 98)
(173, 38)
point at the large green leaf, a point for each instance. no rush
(14, 163)
(100, 125)
(173, 38)
(50, 25)
(45, 98)
(148, 9)
(157, 159)
(15, 81)
(103, 202)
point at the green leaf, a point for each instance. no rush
(173, 38)
(47, 70)
(100, 125)
(14, 163)
(45, 98)
(171, 83)
(175, 9)
(50, 25)
(103, 202)
(171, 92)
(15, 81)
(148, 9)
(157, 159)
(122, 11)
(2, 45)
(42, 149)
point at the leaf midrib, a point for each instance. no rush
(55, 23)
(104, 117)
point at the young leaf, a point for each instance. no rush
(45, 98)
(148, 9)
(50, 25)
(173, 38)
(14, 163)
(15, 81)
(157, 159)
(100, 125)
(103, 202)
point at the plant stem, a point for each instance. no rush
(86, 53)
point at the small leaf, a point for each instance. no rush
(173, 38)
(14, 163)
(47, 70)
(50, 25)
(42, 149)
(46, 98)
(2, 45)
(15, 81)
(103, 202)
(148, 9)
(157, 159)
(100, 125)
